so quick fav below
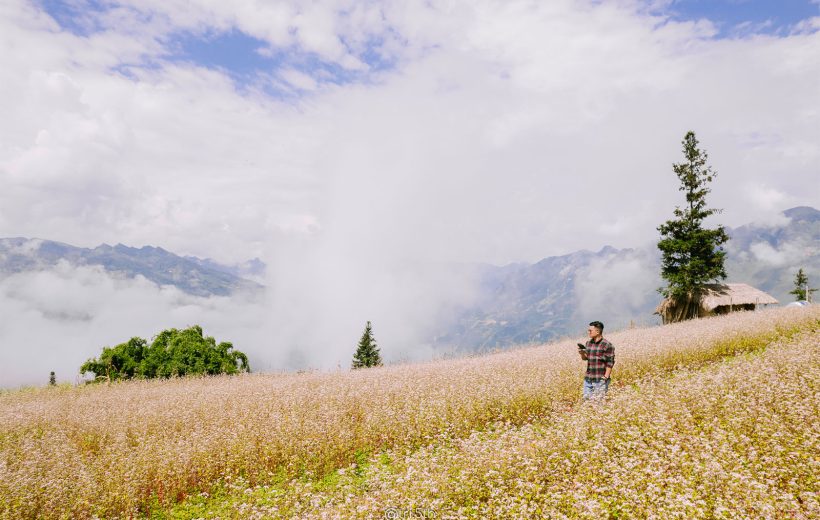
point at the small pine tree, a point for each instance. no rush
(367, 353)
(52, 379)
(691, 255)
(801, 290)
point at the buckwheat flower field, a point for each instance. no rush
(737, 439)
(682, 434)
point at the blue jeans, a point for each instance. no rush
(595, 389)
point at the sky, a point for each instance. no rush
(359, 146)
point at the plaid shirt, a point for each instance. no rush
(599, 356)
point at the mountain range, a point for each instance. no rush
(515, 304)
(558, 296)
(199, 277)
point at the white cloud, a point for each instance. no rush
(766, 253)
(335, 30)
(502, 120)
(299, 80)
(310, 317)
(614, 289)
(27, 248)
(769, 203)
(788, 254)
(57, 318)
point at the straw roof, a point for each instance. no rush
(724, 294)
(718, 295)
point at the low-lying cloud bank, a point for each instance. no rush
(618, 288)
(311, 317)
(56, 319)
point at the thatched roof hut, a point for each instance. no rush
(715, 299)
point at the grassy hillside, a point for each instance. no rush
(732, 440)
(466, 437)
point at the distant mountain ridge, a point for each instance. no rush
(193, 276)
(253, 269)
(557, 296)
(535, 303)
(516, 304)
(522, 303)
(769, 256)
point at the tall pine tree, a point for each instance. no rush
(801, 290)
(367, 353)
(691, 255)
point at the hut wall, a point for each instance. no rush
(726, 309)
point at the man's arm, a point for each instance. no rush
(610, 360)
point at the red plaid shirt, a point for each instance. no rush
(599, 356)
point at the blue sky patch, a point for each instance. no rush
(247, 59)
(375, 56)
(75, 16)
(251, 63)
(734, 18)
(234, 52)
(238, 55)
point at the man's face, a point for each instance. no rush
(594, 332)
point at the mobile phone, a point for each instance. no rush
(581, 346)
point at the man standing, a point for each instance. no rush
(599, 354)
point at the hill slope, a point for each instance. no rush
(727, 441)
(144, 446)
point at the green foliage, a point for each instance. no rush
(801, 291)
(172, 353)
(52, 379)
(691, 255)
(367, 353)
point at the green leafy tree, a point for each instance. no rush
(801, 291)
(120, 362)
(52, 379)
(172, 353)
(367, 353)
(691, 254)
